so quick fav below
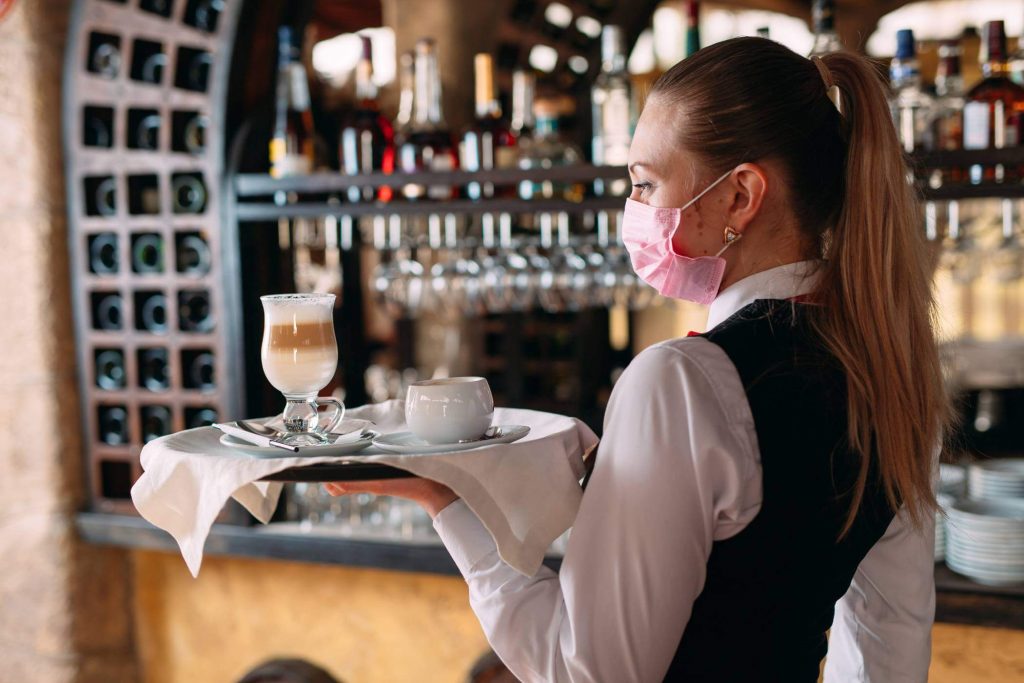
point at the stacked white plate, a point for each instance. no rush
(985, 540)
(1000, 478)
(945, 501)
(952, 480)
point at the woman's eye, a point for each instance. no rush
(642, 187)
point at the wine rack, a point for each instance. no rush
(154, 270)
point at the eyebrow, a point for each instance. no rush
(636, 165)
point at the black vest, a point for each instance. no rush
(771, 590)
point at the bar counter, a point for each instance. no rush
(958, 599)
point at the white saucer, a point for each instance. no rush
(327, 449)
(408, 444)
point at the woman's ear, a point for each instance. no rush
(749, 184)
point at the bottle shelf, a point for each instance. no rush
(254, 193)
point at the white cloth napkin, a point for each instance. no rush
(526, 493)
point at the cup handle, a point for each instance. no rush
(339, 413)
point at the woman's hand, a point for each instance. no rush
(430, 495)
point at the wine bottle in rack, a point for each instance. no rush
(203, 14)
(112, 425)
(193, 72)
(109, 369)
(194, 311)
(148, 61)
(188, 193)
(188, 132)
(199, 370)
(161, 7)
(367, 143)
(148, 253)
(193, 255)
(156, 422)
(154, 372)
(104, 55)
(143, 129)
(98, 127)
(428, 147)
(292, 145)
(489, 142)
(151, 312)
(199, 417)
(103, 254)
(107, 311)
(100, 196)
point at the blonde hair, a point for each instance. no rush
(749, 98)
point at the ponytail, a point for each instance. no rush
(878, 312)
(748, 99)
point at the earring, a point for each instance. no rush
(730, 235)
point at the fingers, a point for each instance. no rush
(335, 489)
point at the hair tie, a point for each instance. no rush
(831, 89)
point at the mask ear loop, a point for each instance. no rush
(706, 190)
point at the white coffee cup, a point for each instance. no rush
(449, 410)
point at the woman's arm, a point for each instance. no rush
(882, 627)
(678, 469)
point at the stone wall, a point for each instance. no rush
(65, 610)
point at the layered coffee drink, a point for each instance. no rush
(299, 352)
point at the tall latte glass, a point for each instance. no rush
(300, 355)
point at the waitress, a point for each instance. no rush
(770, 479)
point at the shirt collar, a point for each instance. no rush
(781, 282)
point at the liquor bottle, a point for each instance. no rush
(523, 87)
(428, 147)
(154, 374)
(406, 97)
(103, 254)
(110, 372)
(994, 107)
(148, 254)
(825, 37)
(546, 149)
(367, 138)
(194, 311)
(692, 27)
(292, 145)
(947, 118)
(113, 425)
(612, 102)
(488, 143)
(911, 106)
(156, 422)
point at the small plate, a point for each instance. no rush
(328, 449)
(408, 444)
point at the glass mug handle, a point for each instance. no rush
(326, 427)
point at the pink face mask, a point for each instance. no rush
(647, 233)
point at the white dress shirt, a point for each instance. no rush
(679, 469)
